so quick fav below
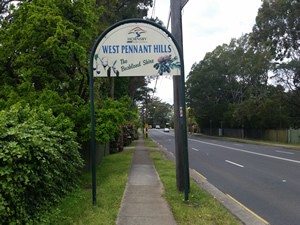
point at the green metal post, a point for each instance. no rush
(93, 146)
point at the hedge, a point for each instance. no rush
(39, 162)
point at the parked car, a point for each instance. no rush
(166, 129)
(157, 127)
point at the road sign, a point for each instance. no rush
(133, 47)
(136, 47)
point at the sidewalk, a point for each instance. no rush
(142, 202)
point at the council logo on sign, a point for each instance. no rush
(135, 35)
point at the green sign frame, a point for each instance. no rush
(162, 52)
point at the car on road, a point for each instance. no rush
(157, 127)
(166, 129)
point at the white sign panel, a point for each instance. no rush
(136, 49)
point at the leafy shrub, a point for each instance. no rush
(112, 116)
(72, 106)
(39, 162)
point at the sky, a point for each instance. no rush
(205, 25)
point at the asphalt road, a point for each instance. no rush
(264, 179)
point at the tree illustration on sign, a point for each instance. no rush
(106, 66)
(166, 64)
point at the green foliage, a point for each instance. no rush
(77, 207)
(44, 50)
(212, 85)
(277, 32)
(72, 107)
(116, 10)
(159, 113)
(277, 28)
(47, 45)
(112, 115)
(230, 86)
(39, 161)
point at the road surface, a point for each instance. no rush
(264, 179)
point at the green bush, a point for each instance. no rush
(112, 116)
(39, 162)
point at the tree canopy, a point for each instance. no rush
(233, 85)
(45, 49)
(277, 32)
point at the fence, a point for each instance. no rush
(291, 136)
(294, 136)
(101, 151)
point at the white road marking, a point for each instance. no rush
(238, 145)
(195, 149)
(233, 163)
(245, 151)
(284, 152)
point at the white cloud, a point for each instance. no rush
(205, 25)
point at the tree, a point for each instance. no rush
(277, 28)
(277, 32)
(159, 113)
(44, 64)
(46, 45)
(7, 7)
(116, 120)
(224, 79)
(45, 50)
(269, 110)
(117, 10)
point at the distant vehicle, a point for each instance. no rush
(157, 127)
(166, 129)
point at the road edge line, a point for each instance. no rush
(199, 174)
(249, 210)
(232, 206)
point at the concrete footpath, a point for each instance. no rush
(142, 202)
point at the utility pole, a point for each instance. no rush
(181, 150)
(146, 123)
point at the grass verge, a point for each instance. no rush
(112, 173)
(149, 143)
(202, 207)
(77, 208)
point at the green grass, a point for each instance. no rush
(112, 173)
(149, 143)
(202, 207)
(77, 208)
